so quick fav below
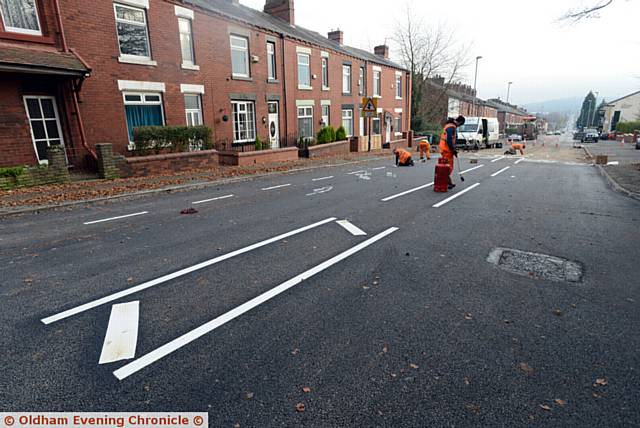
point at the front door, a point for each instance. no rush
(387, 125)
(44, 123)
(274, 125)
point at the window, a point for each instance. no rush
(361, 82)
(376, 83)
(398, 87)
(346, 79)
(325, 73)
(142, 109)
(20, 16)
(244, 122)
(398, 124)
(347, 121)
(271, 60)
(326, 115)
(133, 37)
(186, 41)
(193, 109)
(375, 125)
(45, 125)
(239, 56)
(304, 72)
(305, 122)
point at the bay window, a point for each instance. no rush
(244, 121)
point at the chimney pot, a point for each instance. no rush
(336, 36)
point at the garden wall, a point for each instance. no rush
(258, 156)
(330, 149)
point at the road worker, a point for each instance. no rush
(448, 143)
(518, 147)
(425, 149)
(403, 157)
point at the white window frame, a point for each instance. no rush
(128, 57)
(302, 85)
(248, 130)
(326, 118)
(142, 101)
(246, 54)
(377, 83)
(18, 30)
(374, 119)
(191, 112)
(43, 120)
(398, 121)
(305, 115)
(271, 60)
(361, 78)
(399, 87)
(346, 78)
(185, 62)
(325, 73)
(349, 130)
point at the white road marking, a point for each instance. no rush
(497, 159)
(519, 160)
(320, 190)
(355, 172)
(613, 163)
(406, 192)
(122, 333)
(500, 172)
(276, 187)
(451, 198)
(322, 178)
(213, 199)
(380, 167)
(471, 169)
(115, 296)
(351, 228)
(116, 218)
(168, 348)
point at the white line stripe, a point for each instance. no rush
(356, 172)
(322, 178)
(182, 272)
(380, 167)
(407, 192)
(471, 169)
(212, 199)
(500, 172)
(122, 333)
(277, 187)
(116, 218)
(168, 348)
(497, 159)
(519, 160)
(351, 228)
(451, 198)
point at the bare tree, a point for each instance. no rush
(428, 51)
(591, 11)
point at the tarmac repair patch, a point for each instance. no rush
(535, 265)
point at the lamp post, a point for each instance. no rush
(475, 81)
(509, 91)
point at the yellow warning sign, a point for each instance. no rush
(369, 105)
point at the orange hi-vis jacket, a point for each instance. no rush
(444, 147)
(403, 155)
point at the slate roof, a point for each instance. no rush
(265, 21)
(41, 60)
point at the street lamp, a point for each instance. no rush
(475, 81)
(508, 91)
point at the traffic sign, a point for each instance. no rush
(369, 105)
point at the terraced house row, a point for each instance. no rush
(77, 73)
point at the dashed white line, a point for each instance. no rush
(320, 191)
(356, 172)
(497, 159)
(323, 178)
(122, 333)
(351, 228)
(500, 172)
(213, 199)
(116, 218)
(519, 160)
(451, 198)
(380, 167)
(276, 187)
(471, 169)
(115, 296)
(406, 192)
(168, 348)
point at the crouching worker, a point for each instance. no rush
(425, 149)
(519, 147)
(403, 157)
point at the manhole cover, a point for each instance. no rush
(535, 265)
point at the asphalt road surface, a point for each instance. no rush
(262, 300)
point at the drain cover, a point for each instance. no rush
(535, 265)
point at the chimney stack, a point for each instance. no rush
(282, 9)
(336, 36)
(382, 50)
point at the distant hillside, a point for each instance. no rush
(562, 105)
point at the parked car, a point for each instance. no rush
(578, 136)
(557, 133)
(604, 136)
(515, 137)
(590, 137)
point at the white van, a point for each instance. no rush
(478, 132)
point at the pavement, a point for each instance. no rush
(262, 301)
(623, 166)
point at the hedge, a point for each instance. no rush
(154, 139)
(13, 171)
(628, 127)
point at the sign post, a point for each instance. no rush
(369, 109)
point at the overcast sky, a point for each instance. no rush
(519, 41)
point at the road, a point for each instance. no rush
(262, 300)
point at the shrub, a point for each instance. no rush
(172, 138)
(332, 134)
(13, 171)
(326, 135)
(628, 127)
(341, 134)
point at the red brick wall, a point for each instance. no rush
(332, 149)
(167, 164)
(16, 146)
(258, 157)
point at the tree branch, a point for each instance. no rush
(588, 12)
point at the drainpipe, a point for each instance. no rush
(63, 40)
(284, 89)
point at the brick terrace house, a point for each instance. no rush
(39, 80)
(509, 115)
(244, 73)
